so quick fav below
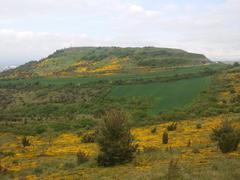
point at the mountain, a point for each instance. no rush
(6, 68)
(85, 61)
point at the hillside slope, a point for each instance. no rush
(85, 61)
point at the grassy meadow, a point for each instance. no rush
(165, 96)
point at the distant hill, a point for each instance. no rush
(85, 61)
(6, 68)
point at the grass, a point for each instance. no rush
(44, 160)
(165, 96)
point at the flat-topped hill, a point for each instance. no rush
(85, 61)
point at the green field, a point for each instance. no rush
(165, 96)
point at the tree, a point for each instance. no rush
(236, 64)
(115, 140)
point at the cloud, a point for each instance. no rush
(33, 29)
(136, 8)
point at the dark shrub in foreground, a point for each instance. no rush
(115, 140)
(154, 130)
(172, 127)
(226, 136)
(165, 137)
(25, 142)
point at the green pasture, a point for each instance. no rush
(165, 96)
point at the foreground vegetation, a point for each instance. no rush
(56, 157)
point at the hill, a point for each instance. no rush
(85, 61)
(47, 122)
(54, 148)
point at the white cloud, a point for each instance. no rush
(33, 29)
(136, 8)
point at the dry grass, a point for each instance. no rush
(148, 164)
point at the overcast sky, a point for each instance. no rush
(32, 29)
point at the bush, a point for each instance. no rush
(225, 127)
(228, 142)
(89, 137)
(81, 157)
(172, 127)
(115, 140)
(198, 125)
(165, 137)
(25, 141)
(154, 130)
(226, 136)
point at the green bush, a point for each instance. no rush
(228, 142)
(198, 125)
(40, 129)
(227, 137)
(154, 130)
(225, 127)
(115, 140)
(25, 141)
(172, 127)
(165, 137)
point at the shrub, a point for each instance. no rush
(89, 137)
(154, 130)
(40, 129)
(25, 141)
(228, 142)
(81, 157)
(226, 136)
(198, 125)
(165, 137)
(225, 127)
(172, 127)
(115, 140)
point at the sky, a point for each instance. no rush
(33, 29)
